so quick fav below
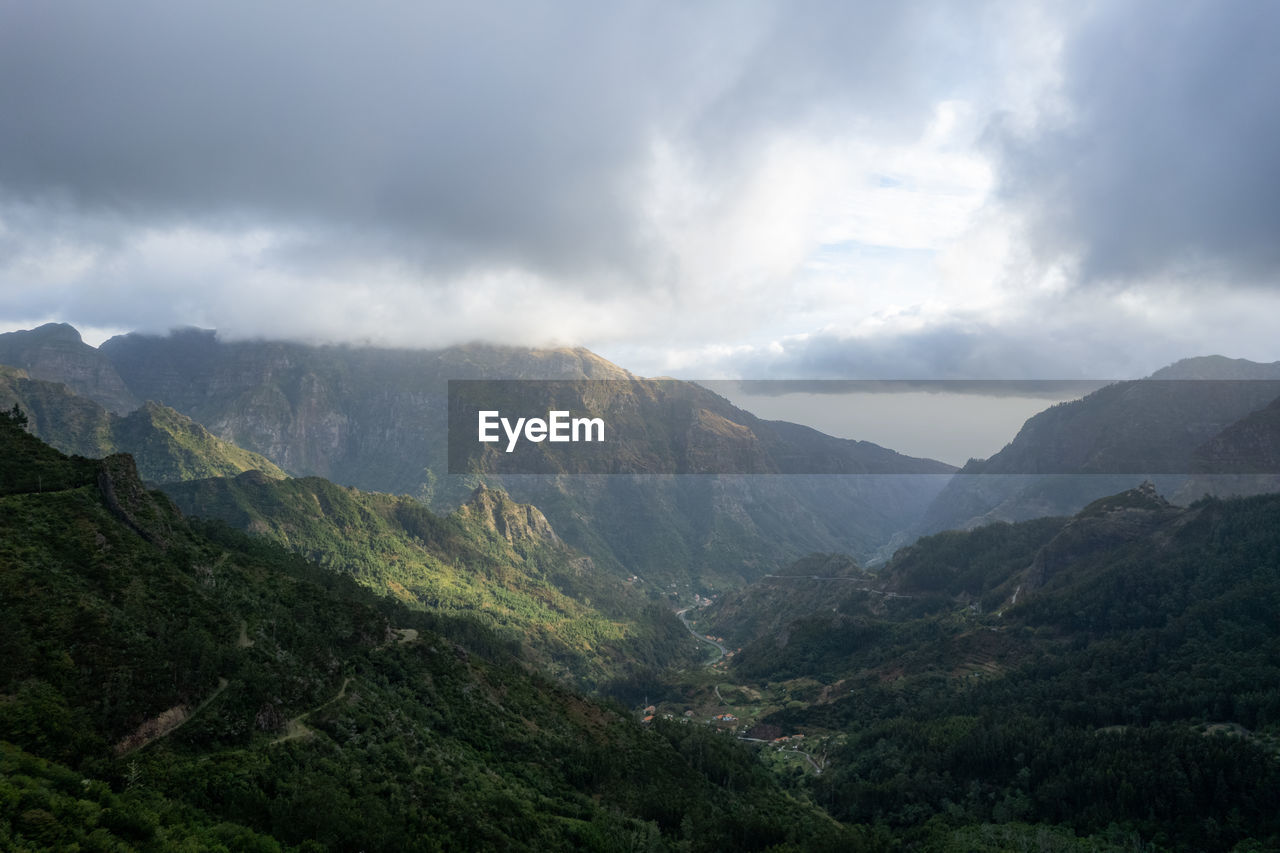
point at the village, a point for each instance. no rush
(736, 710)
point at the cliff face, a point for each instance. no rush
(371, 418)
(55, 352)
(377, 419)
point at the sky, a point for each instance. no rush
(711, 189)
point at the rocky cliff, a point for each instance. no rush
(55, 352)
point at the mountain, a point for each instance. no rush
(168, 446)
(376, 419)
(1113, 672)
(768, 606)
(370, 418)
(177, 685)
(493, 560)
(1219, 368)
(1161, 428)
(55, 352)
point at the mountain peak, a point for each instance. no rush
(514, 522)
(1141, 497)
(1218, 367)
(55, 352)
(56, 332)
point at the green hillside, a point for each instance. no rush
(494, 560)
(1117, 672)
(173, 685)
(167, 446)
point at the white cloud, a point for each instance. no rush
(683, 189)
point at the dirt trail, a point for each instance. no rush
(165, 723)
(296, 728)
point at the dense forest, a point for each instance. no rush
(1105, 682)
(176, 685)
(493, 560)
(1134, 686)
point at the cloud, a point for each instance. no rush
(449, 135)
(717, 189)
(1161, 164)
(411, 173)
(1042, 335)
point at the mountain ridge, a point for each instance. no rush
(376, 420)
(167, 445)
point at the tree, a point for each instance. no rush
(15, 416)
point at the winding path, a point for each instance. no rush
(296, 728)
(720, 648)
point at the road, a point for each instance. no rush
(817, 771)
(720, 648)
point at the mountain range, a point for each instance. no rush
(259, 657)
(1117, 668)
(376, 419)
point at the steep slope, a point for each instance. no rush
(1134, 683)
(1110, 440)
(1243, 459)
(493, 560)
(55, 352)
(168, 446)
(166, 683)
(377, 419)
(768, 606)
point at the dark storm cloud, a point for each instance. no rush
(1168, 164)
(389, 117)
(442, 135)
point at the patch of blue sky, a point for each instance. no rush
(847, 254)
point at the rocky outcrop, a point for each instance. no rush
(148, 514)
(56, 353)
(1102, 526)
(515, 522)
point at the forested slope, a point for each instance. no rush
(172, 685)
(1117, 669)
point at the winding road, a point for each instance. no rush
(720, 648)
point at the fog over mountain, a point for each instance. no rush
(847, 190)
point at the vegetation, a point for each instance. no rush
(314, 667)
(1133, 691)
(494, 560)
(178, 685)
(168, 446)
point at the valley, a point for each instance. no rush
(220, 638)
